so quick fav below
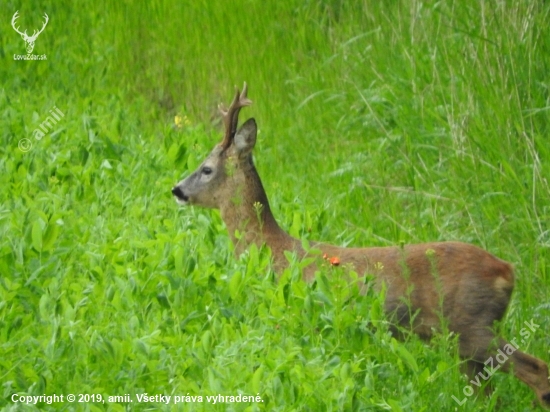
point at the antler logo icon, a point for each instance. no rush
(29, 40)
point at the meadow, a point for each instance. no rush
(380, 123)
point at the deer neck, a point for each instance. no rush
(249, 219)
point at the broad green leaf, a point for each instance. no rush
(206, 341)
(50, 236)
(296, 225)
(37, 236)
(405, 355)
(235, 284)
(395, 406)
(257, 379)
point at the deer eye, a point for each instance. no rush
(206, 170)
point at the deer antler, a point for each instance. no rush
(24, 34)
(35, 35)
(14, 18)
(231, 115)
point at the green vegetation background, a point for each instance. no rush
(380, 122)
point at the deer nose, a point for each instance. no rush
(176, 191)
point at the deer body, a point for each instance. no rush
(468, 286)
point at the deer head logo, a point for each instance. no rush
(29, 40)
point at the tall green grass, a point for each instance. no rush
(380, 123)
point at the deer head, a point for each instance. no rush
(29, 40)
(227, 180)
(217, 179)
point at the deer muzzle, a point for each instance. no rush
(180, 196)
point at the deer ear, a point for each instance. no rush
(245, 138)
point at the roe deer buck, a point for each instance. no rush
(472, 289)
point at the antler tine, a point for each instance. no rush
(231, 115)
(14, 22)
(47, 19)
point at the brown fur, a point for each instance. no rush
(468, 285)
